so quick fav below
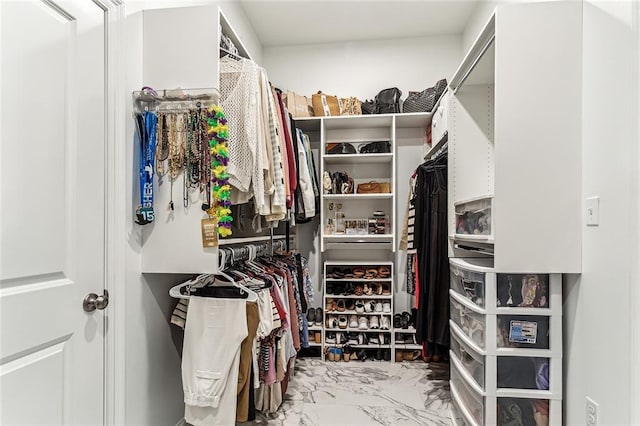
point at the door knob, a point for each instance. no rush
(92, 301)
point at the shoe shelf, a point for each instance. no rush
(353, 296)
(405, 330)
(359, 330)
(383, 196)
(357, 158)
(407, 346)
(339, 284)
(315, 328)
(315, 345)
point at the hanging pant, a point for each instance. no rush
(246, 360)
(214, 331)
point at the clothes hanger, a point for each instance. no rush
(175, 292)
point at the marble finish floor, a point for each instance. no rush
(364, 393)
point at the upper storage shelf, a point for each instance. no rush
(408, 120)
(478, 66)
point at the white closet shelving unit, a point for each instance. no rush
(339, 283)
(514, 192)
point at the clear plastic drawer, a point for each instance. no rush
(469, 284)
(473, 402)
(473, 324)
(522, 331)
(471, 361)
(523, 372)
(474, 217)
(523, 411)
(523, 290)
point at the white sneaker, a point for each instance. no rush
(374, 323)
(384, 323)
(370, 306)
(359, 306)
(378, 307)
(386, 307)
(353, 321)
(363, 323)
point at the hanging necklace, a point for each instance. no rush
(218, 132)
(162, 145)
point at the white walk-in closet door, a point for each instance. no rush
(52, 211)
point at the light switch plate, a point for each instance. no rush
(592, 207)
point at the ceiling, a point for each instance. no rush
(296, 22)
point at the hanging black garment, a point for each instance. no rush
(433, 264)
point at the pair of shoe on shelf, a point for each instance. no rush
(373, 323)
(314, 317)
(413, 355)
(360, 272)
(340, 305)
(405, 320)
(406, 339)
(359, 289)
(359, 306)
(338, 338)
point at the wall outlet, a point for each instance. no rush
(592, 412)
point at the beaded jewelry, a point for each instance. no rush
(218, 132)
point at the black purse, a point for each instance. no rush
(368, 107)
(378, 147)
(388, 101)
(342, 148)
(424, 101)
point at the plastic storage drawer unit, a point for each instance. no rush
(468, 280)
(472, 401)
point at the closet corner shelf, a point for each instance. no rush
(478, 64)
(403, 120)
(357, 158)
(386, 196)
(229, 241)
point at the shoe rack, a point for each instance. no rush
(405, 343)
(358, 310)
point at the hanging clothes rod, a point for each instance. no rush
(231, 255)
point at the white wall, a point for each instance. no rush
(153, 385)
(600, 343)
(597, 316)
(362, 69)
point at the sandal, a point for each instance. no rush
(340, 306)
(329, 305)
(358, 272)
(386, 289)
(367, 290)
(351, 306)
(372, 273)
(337, 273)
(377, 289)
(358, 290)
(384, 272)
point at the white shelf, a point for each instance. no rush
(403, 120)
(368, 330)
(386, 314)
(405, 330)
(385, 238)
(524, 393)
(385, 196)
(408, 346)
(545, 312)
(357, 263)
(373, 346)
(474, 238)
(314, 345)
(420, 120)
(357, 158)
(359, 280)
(229, 241)
(315, 328)
(353, 296)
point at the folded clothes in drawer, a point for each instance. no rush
(523, 372)
(473, 324)
(469, 284)
(523, 411)
(473, 217)
(523, 331)
(471, 361)
(473, 402)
